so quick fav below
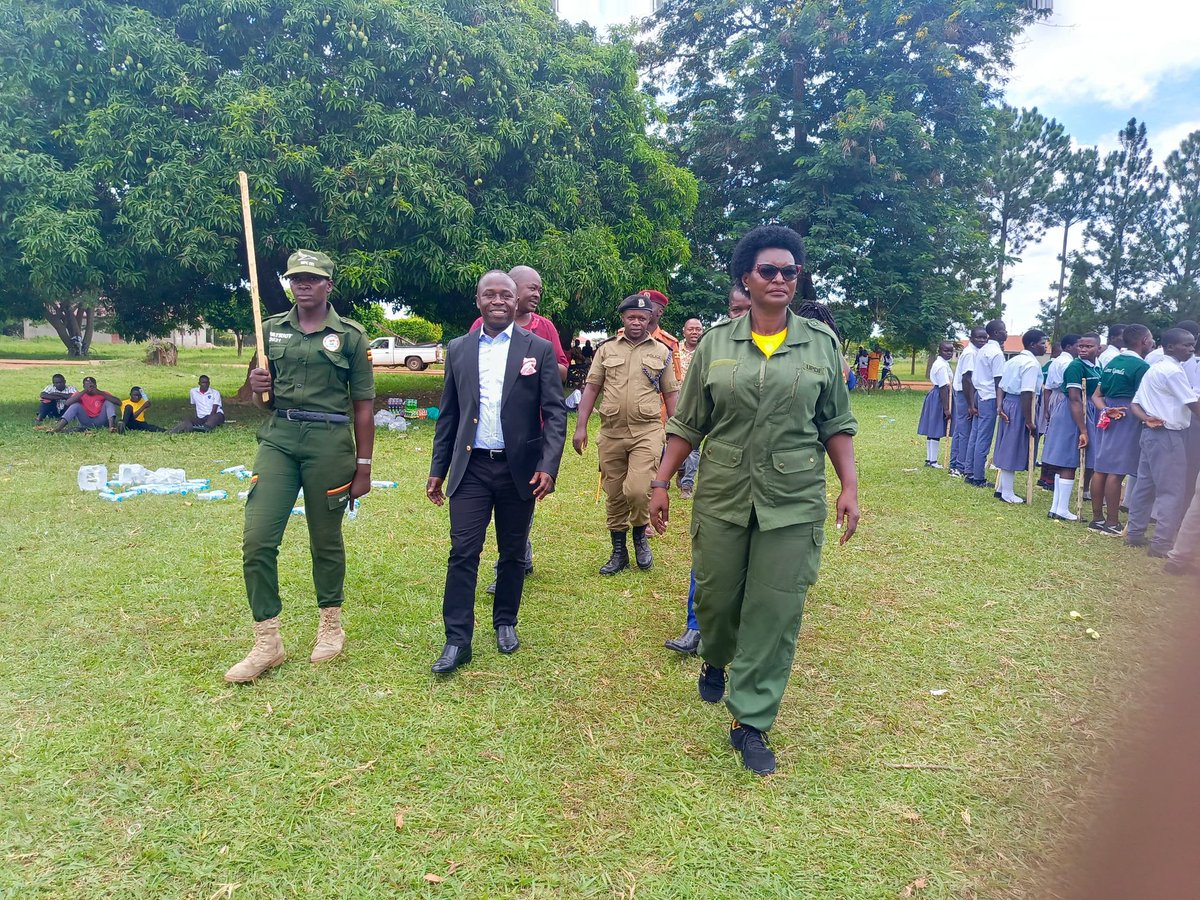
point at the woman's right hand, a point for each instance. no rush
(660, 508)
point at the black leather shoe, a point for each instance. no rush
(452, 657)
(506, 639)
(620, 555)
(641, 548)
(688, 642)
(711, 683)
(757, 756)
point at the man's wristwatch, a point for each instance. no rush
(363, 462)
(660, 484)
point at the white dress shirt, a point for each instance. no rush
(1107, 355)
(493, 360)
(205, 401)
(939, 372)
(966, 363)
(1155, 355)
(1165, 393)
(1058, 365)
(989, 365)
(1191, 368)
(1022, 374)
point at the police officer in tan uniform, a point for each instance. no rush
(634, 374)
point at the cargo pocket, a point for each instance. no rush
(722, 454)
(339, 497)
(341, 366)
(811, 548)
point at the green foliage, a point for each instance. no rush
(416, 329)
(1176, 233)
(864, 126)
(419, 143)
(1028, 151)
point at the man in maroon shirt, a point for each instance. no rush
(529, 297)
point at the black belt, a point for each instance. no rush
(303, 415)
(491, 454)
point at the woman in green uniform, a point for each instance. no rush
(765, 394)
(319, 388)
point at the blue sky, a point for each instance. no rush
(1092, 66)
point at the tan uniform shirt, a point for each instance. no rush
(631, 378)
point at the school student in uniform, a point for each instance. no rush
(1116, 343)
(937, 410)
(1052, 396)
(981, 395)
(1073, 427)
(963, 421)
(1119, 432)
(1164, 404)
(1015, 398)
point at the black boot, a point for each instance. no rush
(641, 548)
(620, 555)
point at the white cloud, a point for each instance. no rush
(1168, 140)
(1111, 51)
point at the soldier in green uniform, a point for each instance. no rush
(765, 394)
(319, 388)
(632, 371)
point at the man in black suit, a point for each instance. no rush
(500, 435)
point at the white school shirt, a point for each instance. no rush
(1191, 368)
(1107, 355)
(1022, 374)
(1164, 394)
(966, 363)
(1155, 355)
(989, 363)
(493, 360)
(1058, 365)
(205, 401)
(939, 373)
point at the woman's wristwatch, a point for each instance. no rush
(363, 462)
(666, 485)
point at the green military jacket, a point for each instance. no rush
(764, 422)
(319, 372)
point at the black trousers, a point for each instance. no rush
(486, 486)
(134, 425)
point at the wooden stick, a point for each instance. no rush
(255, 303)
(1029, 478)
(946, 441)
(1081, 472)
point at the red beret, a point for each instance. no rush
(656, 296)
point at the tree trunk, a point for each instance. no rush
(1062, 281)
(238, 341)
(1000, 264)
(66, 320)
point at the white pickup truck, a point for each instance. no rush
(397, 351)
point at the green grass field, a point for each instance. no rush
(583, 766)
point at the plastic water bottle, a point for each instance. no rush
(297, 510)
(398, 425)
(92, 478)
(233, 470)
(242, 495)
(117, 498)
(385, 484)
(244, 474)
(352, 510)
(219, 494)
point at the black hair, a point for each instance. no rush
(58, 375)
(204, 376)
(819, 312)
(1176, 336)
(135, 388)
(764, 237)
(994, 326)
(1068, 340)
(1132, 333)
(1031, 337)
(1115, 331)
(1091, 335)
(979, 328)
(1190, 325)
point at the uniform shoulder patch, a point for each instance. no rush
(355, 325)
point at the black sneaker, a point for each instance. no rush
(1158, 552)
(1132, 541)
(711, 683)
(1098, 525)
(757, 756)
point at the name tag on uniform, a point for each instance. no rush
(280, 336)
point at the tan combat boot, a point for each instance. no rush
(330, 637)
(266, 653)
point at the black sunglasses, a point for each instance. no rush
(768, 272)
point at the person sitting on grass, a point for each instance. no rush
(133, 413)
(90, 408)
(53, 399)
(208, 410)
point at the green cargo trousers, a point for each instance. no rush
(320, 458)
(750, 589)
